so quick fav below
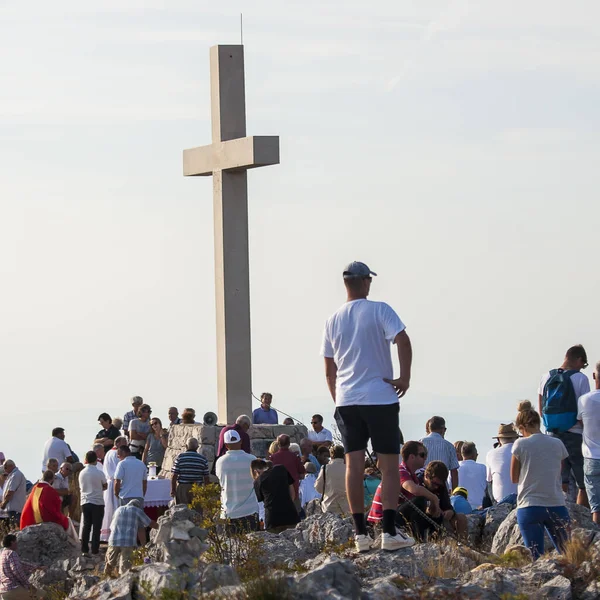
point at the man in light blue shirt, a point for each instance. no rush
(439, 448)
(130, 477)
(265, 415)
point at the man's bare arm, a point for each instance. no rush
(402, 383)
(331, 375)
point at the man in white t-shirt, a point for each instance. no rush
(588, 412)
(360, 377)
(57, 448)
(472, 475)
(319, 436)
(238, 498)
(92, 483)
(575, 360)
(498, 466)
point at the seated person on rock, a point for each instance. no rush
(434, 479)
(43, 504)
(460, 501)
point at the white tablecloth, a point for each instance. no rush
(158, 492)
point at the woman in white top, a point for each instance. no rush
(535, 467)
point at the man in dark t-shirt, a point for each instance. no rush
(275, 487)
(108, 434)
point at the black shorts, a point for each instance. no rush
(377, 422)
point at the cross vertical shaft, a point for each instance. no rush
(230, 205)
(227, 159)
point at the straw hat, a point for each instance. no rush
(506, 432)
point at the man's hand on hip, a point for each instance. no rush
(401, 385)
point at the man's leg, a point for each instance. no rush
(461, 525)
(390, 490)
(125, 557)
(407, 516)
(98, 515)
(111, 560)
(591, 469)
(87, 514)
(558, 526)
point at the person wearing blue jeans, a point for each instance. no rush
(536, 468)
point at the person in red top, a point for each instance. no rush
(413, 455)
(291, 462)
(242, 424)
(43, 504)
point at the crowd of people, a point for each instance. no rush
(407, 490)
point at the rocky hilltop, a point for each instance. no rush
(317, 560)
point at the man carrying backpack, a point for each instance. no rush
(558, 394)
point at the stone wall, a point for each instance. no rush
(261, 437)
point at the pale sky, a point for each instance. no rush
(451, 145)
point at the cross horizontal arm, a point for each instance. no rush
(237, 154)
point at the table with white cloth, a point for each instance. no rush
(158, 492)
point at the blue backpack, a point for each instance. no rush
(559, 402)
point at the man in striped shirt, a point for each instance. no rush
(238, 499)
(190, 467)
(440, 449)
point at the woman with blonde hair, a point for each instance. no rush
(536, 467)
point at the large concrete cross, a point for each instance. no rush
(227, 159)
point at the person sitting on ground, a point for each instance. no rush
(434, 479)
(128, 524)
(43, 504)
(288, 421)
(189, 468)
(440, 449)
(188, 416)
(331, 483)
(536, 468)
(136, 402)
(497, 461)
(131, 477)
(174, 416)
(273, 448)
(413, 494)
(242, 424)
(291, 462)
(264, 414)
(238, 499)
(575, 360)
(460, 501)
(57, 448)
(108, 434)
(306, 448)
(319, 436)
(156, 444)
(14, 573)
(372, 481)
(139, 430)
(472, 475)
(588, 412)
(275, 488)
(307, 485)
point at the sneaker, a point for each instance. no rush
(363, 543)
(395, 542)
(405, 535)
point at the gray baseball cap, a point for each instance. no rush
(357, 270)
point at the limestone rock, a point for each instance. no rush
(313, 508)
(152, 579)
(215, 576)
(335, 578)
(475, 529)
(110, 589)
(558, 588)
(499, 579)
(279, 550)
(326, 527)
(494, 517)
(46, 543)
